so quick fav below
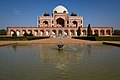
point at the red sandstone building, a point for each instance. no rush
(60, 23)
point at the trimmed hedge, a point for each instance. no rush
(35, 37)
(12, 38)
(96, 38)
(22, 38)
(85, 38)
(107, 38)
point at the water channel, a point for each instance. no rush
(45, 62)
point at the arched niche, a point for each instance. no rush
(75, 23)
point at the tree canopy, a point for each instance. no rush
(3, 32)
(116, 32)
(14, 34)
(26, 34)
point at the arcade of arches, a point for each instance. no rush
(55, 32)
(59, 24)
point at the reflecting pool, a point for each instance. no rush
(74, 62)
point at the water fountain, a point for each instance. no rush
(60, 44)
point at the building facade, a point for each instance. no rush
(59, 24)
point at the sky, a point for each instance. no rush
(25, 12)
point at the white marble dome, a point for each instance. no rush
(60, 9)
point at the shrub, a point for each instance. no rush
(35, 37)
(21, 38)
(116, 32)
(30, 34)
(14, 34)
(25, 34)
(3, 32)
(95, 35)
(96, 38)
(107, 38)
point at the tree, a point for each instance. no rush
(25, 34)
(78, 32)
(3, 32)
(95, 34)
(30, 34)
(14, 34)
(116, 32)
(89, 31)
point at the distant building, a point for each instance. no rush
(59, 24)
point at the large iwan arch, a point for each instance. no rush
(60, 22)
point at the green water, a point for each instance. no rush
(74, 62)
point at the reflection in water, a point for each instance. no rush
(89, 49)
(14, 47)
(60, 58)
(45, 62)
(17, 46)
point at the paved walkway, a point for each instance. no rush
(48, 41)
(54, 41)
(64, 40)
(3, 43)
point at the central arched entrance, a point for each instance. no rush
(60, 22)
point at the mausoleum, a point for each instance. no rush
(60, 23)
